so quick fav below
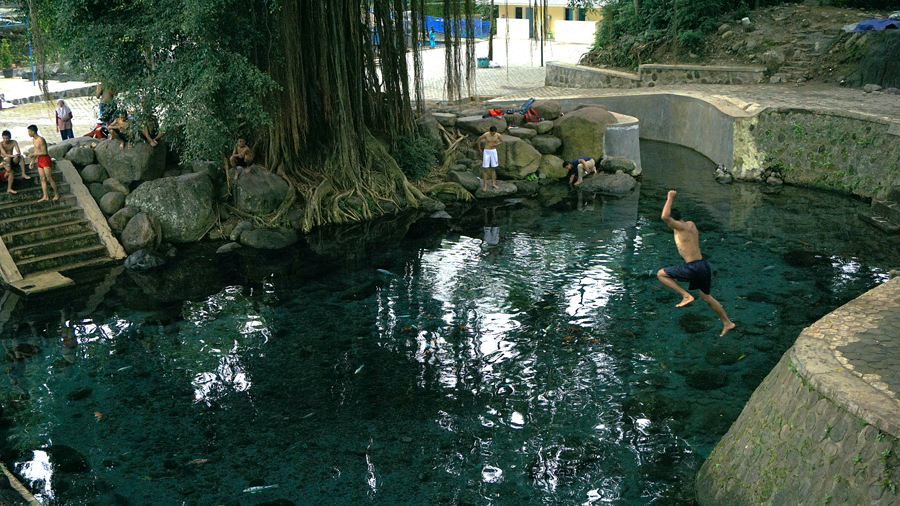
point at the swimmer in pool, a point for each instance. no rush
(695, 270)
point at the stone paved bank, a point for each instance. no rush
(823, 427)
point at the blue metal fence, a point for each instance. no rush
(482, 27)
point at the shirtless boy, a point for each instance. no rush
(489, 159)
(695, 270)
(242, 156)
(44, 164)
(120, 129)
(12, 155)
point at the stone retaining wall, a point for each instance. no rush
(822, 428)
(649, 75)
(833, 150)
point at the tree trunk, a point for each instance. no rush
(491, 34)
(637, 7)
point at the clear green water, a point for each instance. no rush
(550, 369)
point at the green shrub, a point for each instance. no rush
(416, 157)
(691, 40)
(6, 59)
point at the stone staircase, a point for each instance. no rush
(885, 214)
(44, 241)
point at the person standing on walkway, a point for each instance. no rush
(64, 120)
(489, 158)
(695, 270)
(431, 36)
(44, 164)
(11, 153)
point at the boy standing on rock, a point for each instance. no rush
(695, 270)
(489, 159)
(44, 164)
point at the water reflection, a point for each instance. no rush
(550, 368)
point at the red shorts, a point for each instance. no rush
(45, 161)
(4, 175)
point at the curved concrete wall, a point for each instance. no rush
(823, 427)
(624, 139)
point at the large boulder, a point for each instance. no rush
(466, 179)
(429, 128)
(522, 133)
(259, 191)
(582, 132)
(112, 184)
(141, 162)
(517, 158)
(476, 125)
(81, 155)
(61, 149)
(93, 173)
(504, 189)
(269, 238)
(183, 205)
(547, 109)
(120, 219)
(617, 184)
(551, 167)
(542, 127)
(446, 119)
(112, 202)
(514, 119)
(141, 232)
(546, 144)
(613, 164)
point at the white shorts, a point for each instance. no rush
(490, 158)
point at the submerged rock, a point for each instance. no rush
(694, 323)
(269, 238)
(227, 248)
(66, 459)
(79, 393)
(707, 379)
(143, 260)
(805, 258)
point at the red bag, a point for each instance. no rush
(531, 116)
(496, 112)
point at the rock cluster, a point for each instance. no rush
(532, 153)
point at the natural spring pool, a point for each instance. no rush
(417, 365)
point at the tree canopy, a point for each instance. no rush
(312, 82)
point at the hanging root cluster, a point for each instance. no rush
(379, 189)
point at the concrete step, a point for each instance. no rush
(52, 216)
(14, 209)
(36, 178)
(42, 233)
(880, 223)
(55, 245)
(56, 260)
(68, 269)
(29, 192)
(890, 210)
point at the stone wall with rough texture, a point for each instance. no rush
(648, 76)
(793, 446)
(823, 427)
(846, 152)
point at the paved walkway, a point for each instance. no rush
(816, 97)
(852, 356)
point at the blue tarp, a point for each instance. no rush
(876, 25)
(482, 27)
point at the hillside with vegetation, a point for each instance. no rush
(796, 41)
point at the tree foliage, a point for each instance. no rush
(197, 63)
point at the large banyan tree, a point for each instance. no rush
(322, 88)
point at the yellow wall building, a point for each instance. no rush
(564, 24)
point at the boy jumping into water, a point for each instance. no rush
(695, 270)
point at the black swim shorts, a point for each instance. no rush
(697, 273)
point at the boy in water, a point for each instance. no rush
(44, 164)
(489, 156)
(695, 270)
(11, 153)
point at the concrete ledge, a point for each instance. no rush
(649, 76)
(41, 282)
(84, 91)
(91, 210)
